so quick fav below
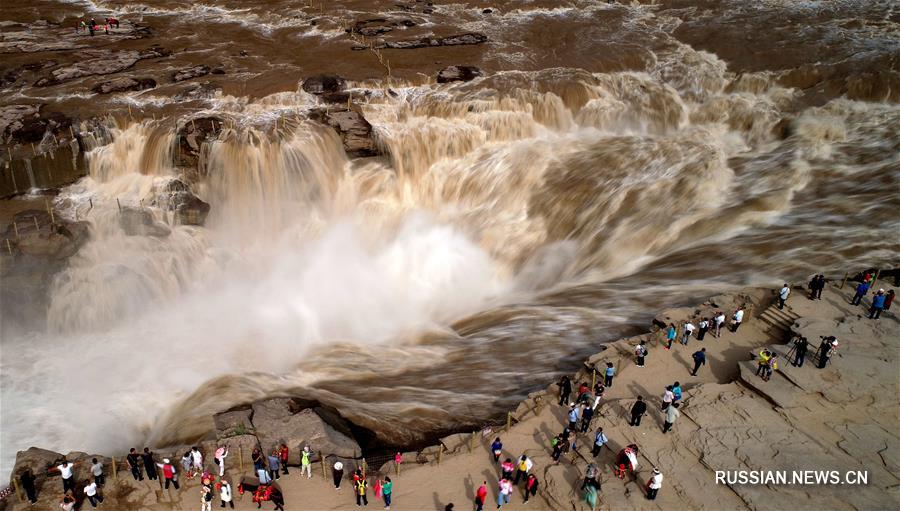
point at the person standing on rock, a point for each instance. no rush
(609, 374)
(825, 350)
(668, 397)
(97, 472)
(186, 462)
(637, 411)
(671, 333)
(878, 300)
(337, 474)
(274, 465)
(27, 479)
(481, 496)
(507, 468)
(522, 468)
(590, 477)
(719, 321)
(67, 503)
(134, 465)
(497, 449)
(219, 458)
(640, 351)
(565, 390)
(283, 455)
(783, 295)
(801, 345)
(861, 291)
(361, 487)
(504, 492)
(225, 494)
(557, 444)
(168, 472)
(736, 319)
(672, 413)
(196, 459)
(699, 360)
(586, 415)
(206, 495)
(305, 462)
(654, 484)
(149, 464)
(889, 299)
(770, 367)
(387, 488)
(531, 486)
(599, 441)
(573, 416)
(702, 328)
(688, 332)
(90, 491)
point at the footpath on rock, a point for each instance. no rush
(842, 418)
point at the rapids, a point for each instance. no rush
(516, 223)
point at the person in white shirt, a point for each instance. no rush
(65, 469)
(67, 503)
(600, 440)
(90, 491)
(783, 295)
(97, 471)
(225, 494)
(196, 459)
(688, 331)
(736, 319)
(640, 351)
(719, 320)
(668, 397)
(654, 484)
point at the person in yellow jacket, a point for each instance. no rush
(770, 366)
(305, 465)
(361, 487)
(763, 361)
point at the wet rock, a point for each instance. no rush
(323, 84)
(15, 121)
(191, 138)
(458, 74)
(36, 235)
(218, 70)
(195, 90)
(177, 196)
(140, 222)
(354, 129)
(124, 84)
(190, 209)
(189, 73)
(373, 27)
(280, 420)
(468, 38)
(40, 249)
(100, 62)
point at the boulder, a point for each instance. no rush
(100, 62)
(195, 90)
(458, 74)
(124, 84)
(467, 38)
(233, 422)
(35, 235)
(354, 129)
(190, 72)
(140, 222)
(17, 123)
(373, 27)
(281, 420)
(323, 84)
(191, 137)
